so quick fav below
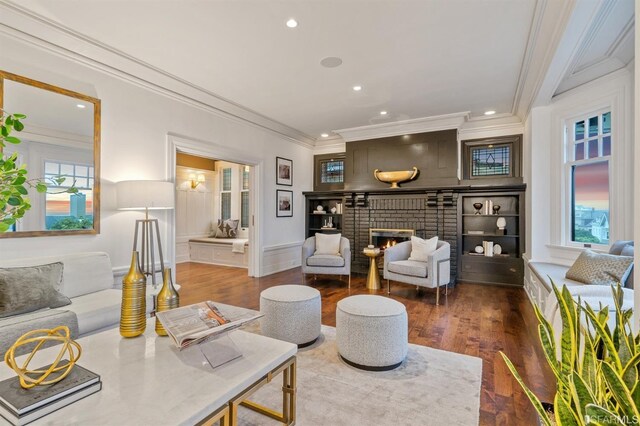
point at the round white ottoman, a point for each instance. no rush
(291, 313)
(372, 332)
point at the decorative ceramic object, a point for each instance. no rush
(394, 178)
(479, 249)
(133, 315)
(320, 208)
(40, 337)
(496, 209)
(333, 210)
(501, 223)
(478, 207)
(497, 249)
(167, 298)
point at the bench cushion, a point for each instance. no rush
(409, 267)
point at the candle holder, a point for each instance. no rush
(478, 207)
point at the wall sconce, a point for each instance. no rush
(196, 181)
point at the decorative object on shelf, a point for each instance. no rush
(496, 209)
(133, 319)
(333, 210)
(497, 249)
(501, 223)
(31, 378)
(147, 195)
(478, 207)
(488, 248)
(167, 298)
(488, 207)
(319, 208)
(479, 249)
(394, 178)
(470, 232)
(328, 223)
(284, 203)
(284, 171)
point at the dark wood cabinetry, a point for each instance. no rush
(318, 222)
(476, 226)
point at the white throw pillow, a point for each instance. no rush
(420, 248)
(328, 243)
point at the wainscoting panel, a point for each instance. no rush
(281, 257)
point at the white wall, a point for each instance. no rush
(545, 154)
(135, 125)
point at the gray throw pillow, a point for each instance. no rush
(28, 289)
(628, 251)
(617, 247)
(595, 268)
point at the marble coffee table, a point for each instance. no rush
(146, 380)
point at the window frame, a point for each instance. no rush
(245, 169)
(568, 161)
(224, 191)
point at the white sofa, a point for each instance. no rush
(88, 282)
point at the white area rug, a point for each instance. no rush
(431, 387)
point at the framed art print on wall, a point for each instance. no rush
(284, 203)
(284, 171)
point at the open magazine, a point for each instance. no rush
(194, 323)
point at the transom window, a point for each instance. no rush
(332, 171)
(589, 145)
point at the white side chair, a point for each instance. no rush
(433, 273)
(326, 264)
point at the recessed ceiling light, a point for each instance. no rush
(325, 135)
(331, 62)
(292, 23)
(357, 88)
(383, 112)
(81, 106)
(490, 112)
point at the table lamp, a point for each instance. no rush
(146, 195)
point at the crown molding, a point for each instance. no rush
(330, 146)
(404, 127)
(491, 130)
(44, 33)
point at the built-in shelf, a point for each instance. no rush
(325, 214)
(325, 229)
(490, 235)
(491, 215)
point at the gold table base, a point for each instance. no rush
(373, 277)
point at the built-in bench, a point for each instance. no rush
(220, 251)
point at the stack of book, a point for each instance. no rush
(21, 406)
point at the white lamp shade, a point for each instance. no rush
(145, 194)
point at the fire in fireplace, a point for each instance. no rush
(383, 238)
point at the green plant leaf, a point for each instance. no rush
(600, 416)
(604, 334)
(565, 416)
(568, 347)
(18, 126)
(4, 227)
(22, 190)
(12, 139)
(581, 394)
(14, 201)
(620, 391)
(8, 121)
(544, 417)
(41, 187)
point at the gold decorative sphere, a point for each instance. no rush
(31, 378)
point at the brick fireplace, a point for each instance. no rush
(428, 214)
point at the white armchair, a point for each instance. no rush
(433, 273)
(327, 264)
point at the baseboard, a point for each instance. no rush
(281, 257)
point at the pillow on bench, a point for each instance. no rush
(594, 268)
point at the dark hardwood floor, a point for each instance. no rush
(474, 320)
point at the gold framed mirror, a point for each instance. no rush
(60, 146)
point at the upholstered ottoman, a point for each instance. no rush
(291, 313)
(372, 332)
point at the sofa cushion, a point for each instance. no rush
(17, 325)
(594, 268)
(409, 267)
(421, 249)
(628, 251)
(83, 272)
(617, 247)
(328, 243)
(28, 289)
(325, 260)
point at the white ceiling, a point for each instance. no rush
(413, 58)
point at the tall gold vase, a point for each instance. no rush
(133, 314)
(167, 298)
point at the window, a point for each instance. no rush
(332, 171)
(491, 161)
(244, 198)
(63, 210)
(588, 143)
(225, 194)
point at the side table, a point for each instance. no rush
(373, 278)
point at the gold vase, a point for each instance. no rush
(133, 314)
(167, 298)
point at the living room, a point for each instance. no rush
(360, 87)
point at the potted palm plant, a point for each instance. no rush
(596, 367)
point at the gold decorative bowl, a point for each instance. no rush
(394, 178)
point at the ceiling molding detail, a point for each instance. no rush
(416, 125)
(492, 130)
(51, 36)
(547, 28)
(329, 147)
